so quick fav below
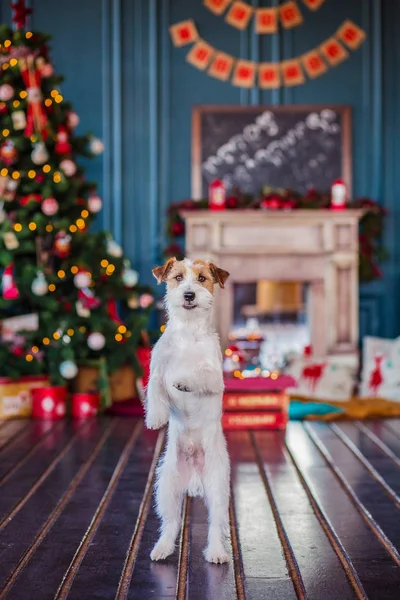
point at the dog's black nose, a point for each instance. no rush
(189, 296)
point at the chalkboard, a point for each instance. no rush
(296, 147)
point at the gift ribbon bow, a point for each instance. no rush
(36, 119)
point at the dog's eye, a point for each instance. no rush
(202, 278)
(179, 277)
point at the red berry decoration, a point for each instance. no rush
(232, 202)
(178, 229)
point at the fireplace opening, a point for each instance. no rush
(271, 321)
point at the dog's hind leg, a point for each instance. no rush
(169, 496)
(216, 487)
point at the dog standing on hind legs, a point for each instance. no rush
(185, 390)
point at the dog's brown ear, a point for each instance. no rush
(220, 276)
(160, 273)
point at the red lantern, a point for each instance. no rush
(217, 195)
(49, 403)
(338, 195)
(84, 405)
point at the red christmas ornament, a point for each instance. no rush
(40, 178)
(84, 405)
(272, 202)
(9, 288)
(30, 199)
(8, 152)
(62, 244)
(217, 195)
(62, 145)
(49, 403)
(19, 14)
(232, 202)
(144, 356)
(178, 229)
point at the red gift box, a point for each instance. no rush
(84, 405)
(49, 403)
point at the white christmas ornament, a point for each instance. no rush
(81, 310)
(6, 92)
(68, 166)
(39, 154)
(145, 300)
(68, 369)
(73, 120)
(19, 119)
(82, 279)
(95, 204)
(130, 277)
(12, 185)
(114, 249)
(39, 285)
(133, 302)
(96, 341)
(50, 207)
(96, 146)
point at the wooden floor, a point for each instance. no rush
(313, 515)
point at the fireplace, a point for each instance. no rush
(300, 263)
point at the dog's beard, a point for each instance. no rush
(176, 304)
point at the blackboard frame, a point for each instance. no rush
(200, 110)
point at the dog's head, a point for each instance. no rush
(190, 284)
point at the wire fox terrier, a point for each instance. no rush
(185, 390)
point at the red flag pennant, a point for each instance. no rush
(313, 4)
(290, 14)
(200, 55)
(221, 66)
(313, 64)
(269, 76)
(292, 72)
(239, 15)
(217, 6)
(183, 33)
(333, 51)
(351, 35)
(244, 74)
(266, 20)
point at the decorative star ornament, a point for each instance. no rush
(20, 13)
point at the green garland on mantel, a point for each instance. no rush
(372, 251)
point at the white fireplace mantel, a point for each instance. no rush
(319, 247)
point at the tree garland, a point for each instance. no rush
(371, 249)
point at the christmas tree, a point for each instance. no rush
(68, 296)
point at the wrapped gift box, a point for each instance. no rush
(16, 397)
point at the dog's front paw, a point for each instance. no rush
(182, 386)
(162, 550)
(216, 554)
(157, 420)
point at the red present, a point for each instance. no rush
(144, 357)
(84, 405)
(49, 403)
(16, 396)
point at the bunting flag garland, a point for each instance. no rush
(265, 19)
(246, 74)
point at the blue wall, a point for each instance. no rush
(132, 88)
